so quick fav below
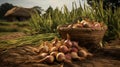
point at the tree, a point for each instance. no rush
(107, 3)
(4, 8)
(38, 9)
(49, 10)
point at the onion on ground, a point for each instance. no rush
(42, 55)
(75, 56)
(63, 49)
(82, 53)
(60, 57)
(54, 49)
(54, 53)
(67, 42)
(47, 59)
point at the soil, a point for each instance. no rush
(26, 56)
(13, 35)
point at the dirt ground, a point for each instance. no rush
(12, 36)
(23, 57)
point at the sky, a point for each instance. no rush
(43, 3)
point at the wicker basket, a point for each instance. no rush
(83, 35)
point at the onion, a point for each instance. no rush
(69, 26)
(77, 25)
(53, 49)
(97, 25)
(75, 44)
(82, 53)
(63, 49)
(86, 23)
(43, 55)
(59, 43)
(44, 48)
(55, 41)
(67, 42)
(73, 49)
(68, 56)
(54, 54)
(48, 59)
(60, 57)
(75, 56)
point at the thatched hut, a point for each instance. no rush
(18, 14)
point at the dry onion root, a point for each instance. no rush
(47, 59)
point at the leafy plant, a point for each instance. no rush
(48, 22)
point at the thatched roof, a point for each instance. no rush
(19, 11)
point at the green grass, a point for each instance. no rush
(13, 26)
(27, 40)
(4, 33)
(49, 21)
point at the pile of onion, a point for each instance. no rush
(86, 23)
(62, 51)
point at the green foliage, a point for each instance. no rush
(13, 26)
(109, 16)
(8, 29)
(48, 22)
(27, 40)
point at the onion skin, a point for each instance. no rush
(73, 49)
(75, 56)
(60, 57)
(82, 53)
(63, 49)
(55, 41)
(67, 42)
(49, 59)
(68, 56)
(75, 44)
(44, 49)
(43, 55)
(53, 49)
(54, 54)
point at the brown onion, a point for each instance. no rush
(44, 48)
(60, 57)
(55, 41)
(75, 56)
(63, 49)
(73, 49)
(54, 54)
(75, 44)
(67, 42)
(43, 55)
(49, 59)
(97, 25)
(68, 56)
(82, 53)
(53, 49)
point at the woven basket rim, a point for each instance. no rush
(64, 27)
